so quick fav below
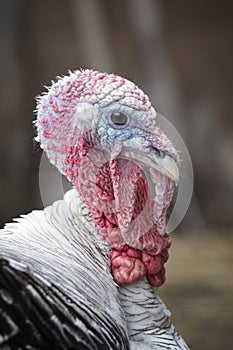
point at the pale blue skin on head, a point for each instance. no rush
(131, 134)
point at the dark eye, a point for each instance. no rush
(118, 119)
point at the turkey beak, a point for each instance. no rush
(161, 162)
(165, 164)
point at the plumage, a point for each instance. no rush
(48, 297)
(82, 273)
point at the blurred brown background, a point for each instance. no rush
(180, 53)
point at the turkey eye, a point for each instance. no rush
(118, 119)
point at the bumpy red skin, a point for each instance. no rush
(147, 251)
(130, 264)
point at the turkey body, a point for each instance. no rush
(56, 290)
(61, 285)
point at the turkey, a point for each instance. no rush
(83, 273)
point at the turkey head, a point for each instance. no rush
(100, 131)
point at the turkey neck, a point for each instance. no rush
(144, 310)
(123, 209)
(147, 318)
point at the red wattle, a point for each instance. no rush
(122, 208)
(129, 265)
(152, 263)
(158, 279)
(127, 269)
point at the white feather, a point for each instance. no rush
(61, 240)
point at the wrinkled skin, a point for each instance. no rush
(112, 166)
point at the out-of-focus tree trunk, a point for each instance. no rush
(198, 38)
(92, 35)
(15, 147)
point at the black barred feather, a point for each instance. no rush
(35, 315)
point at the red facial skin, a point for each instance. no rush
(148, 250)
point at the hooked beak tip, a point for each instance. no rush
(169, 168)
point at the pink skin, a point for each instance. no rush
(116, 193)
